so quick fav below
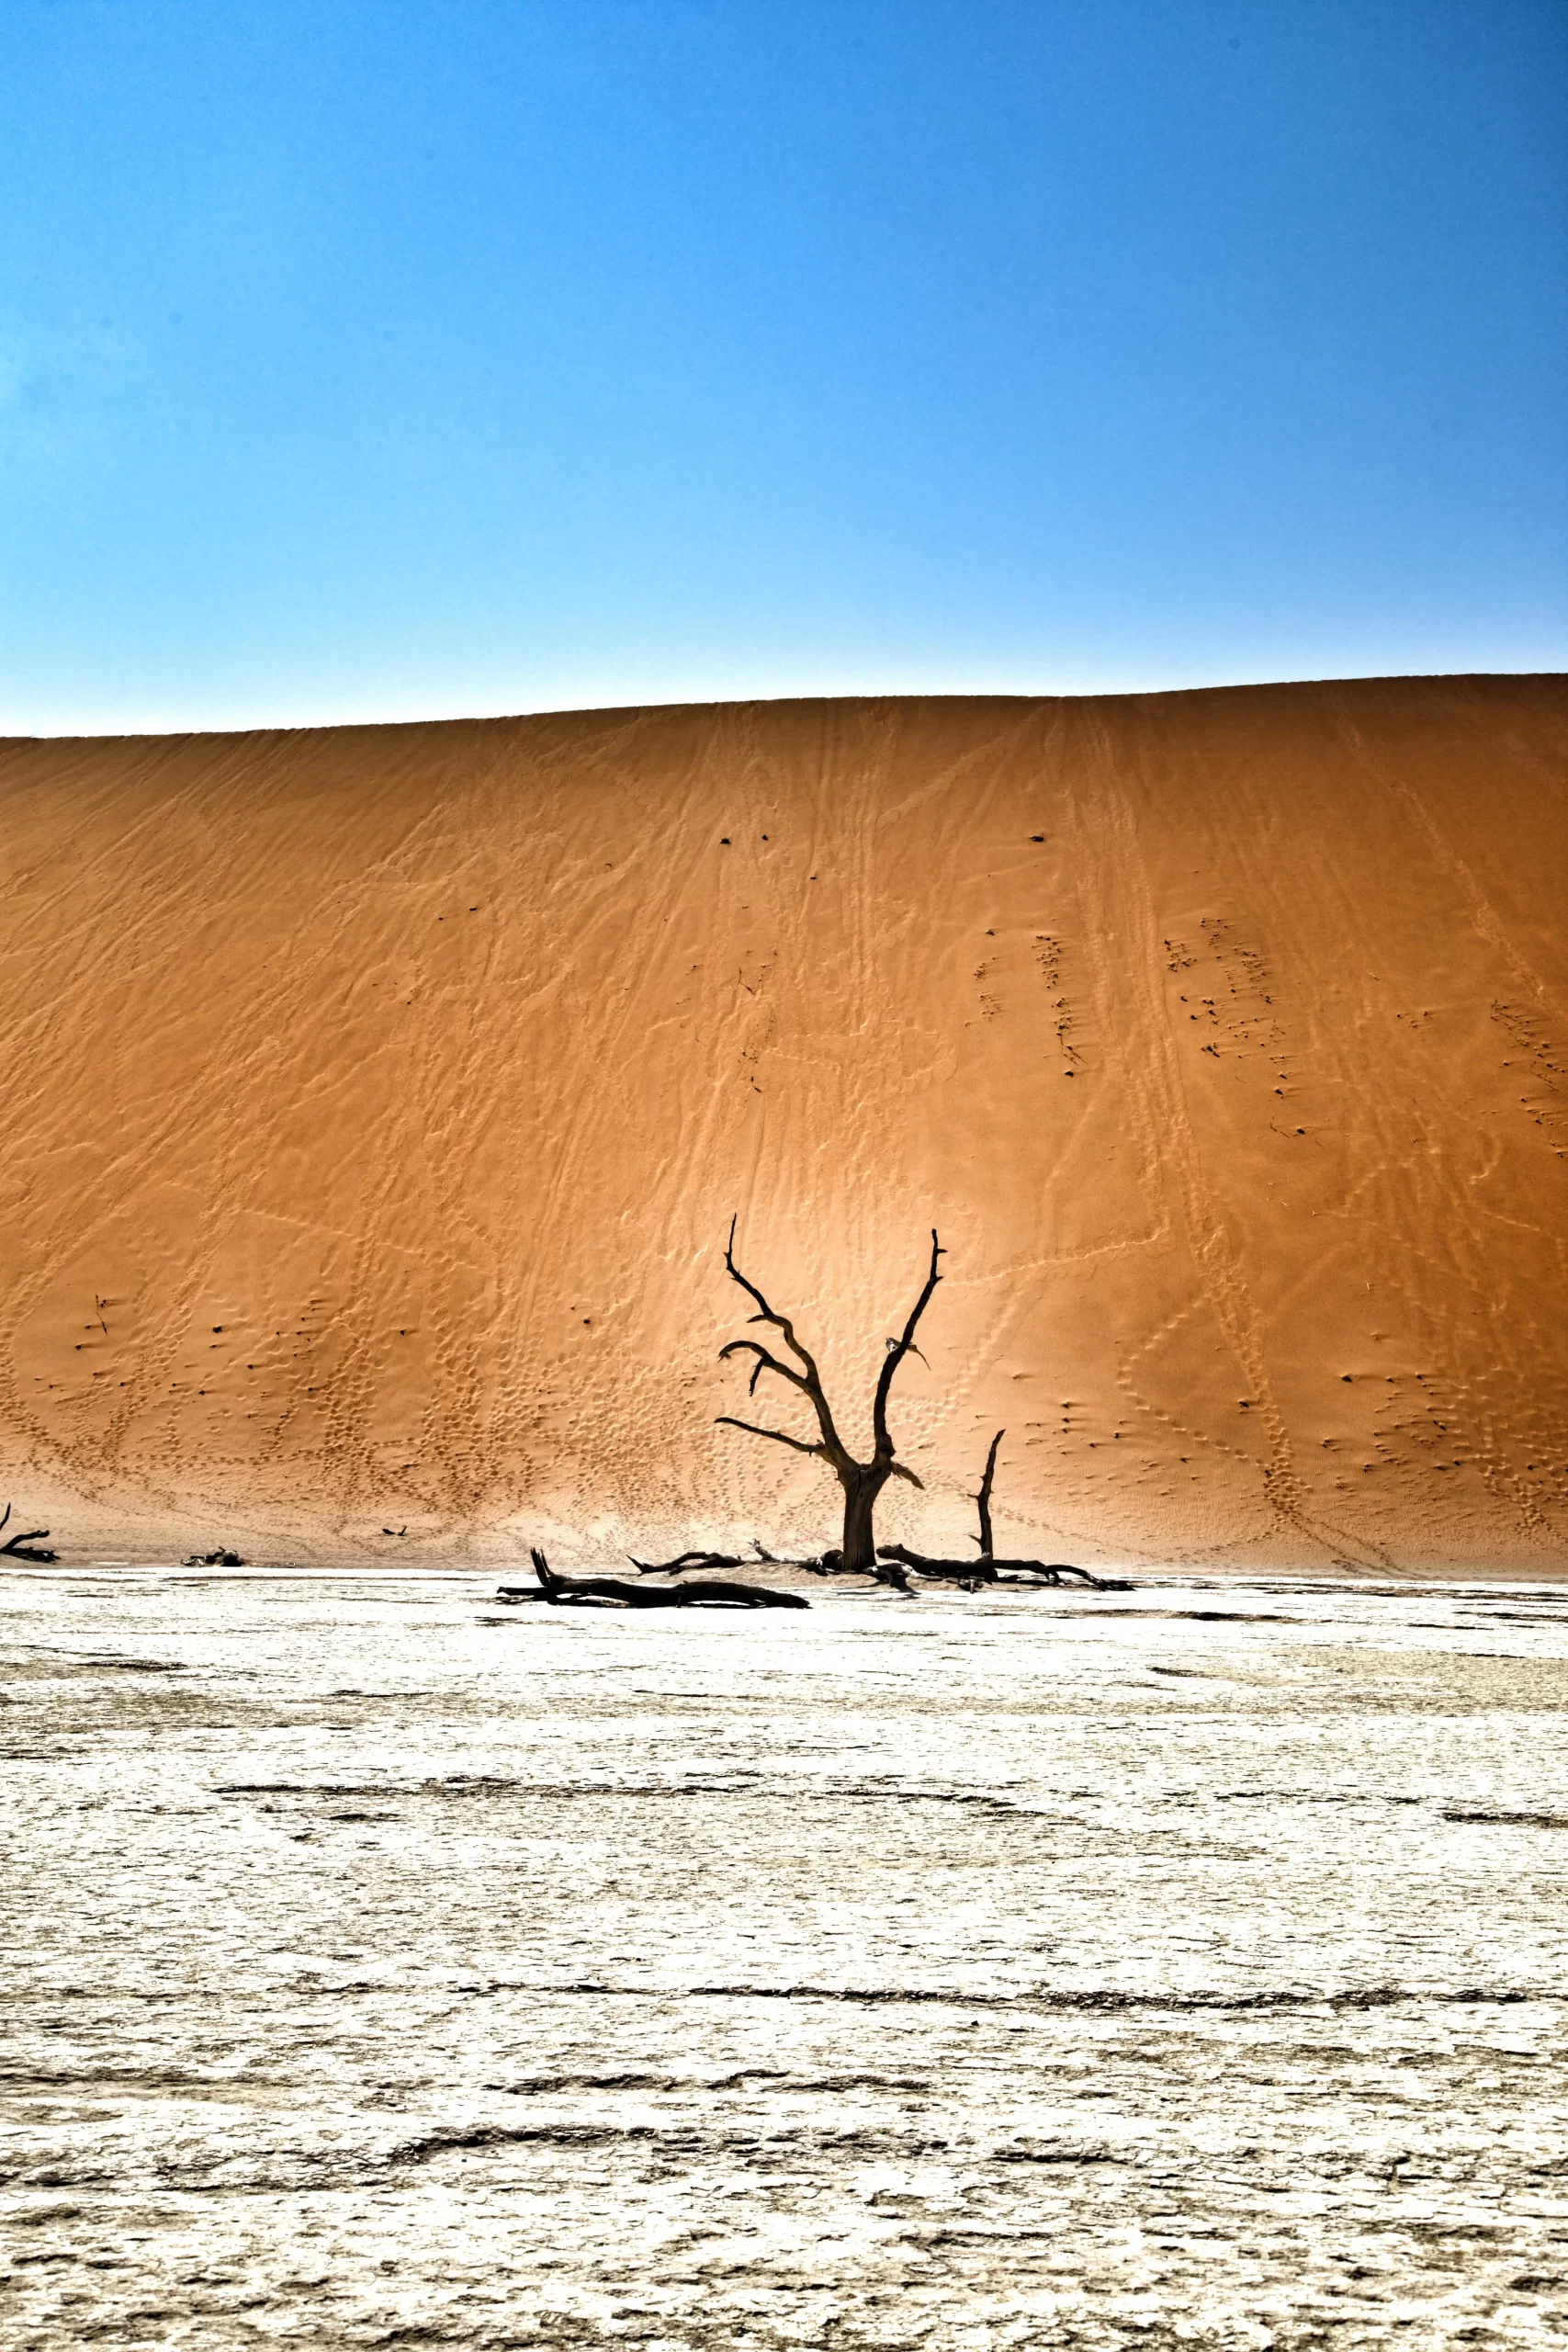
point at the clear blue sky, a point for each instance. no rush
(378, 358)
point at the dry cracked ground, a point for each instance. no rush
(384, 1968)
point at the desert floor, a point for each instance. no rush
(1178, 1967)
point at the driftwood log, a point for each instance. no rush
(23, 1544)
(609, 1592)
(1013, 1572)
(687, 1560)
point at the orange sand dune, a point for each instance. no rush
(378, 1099)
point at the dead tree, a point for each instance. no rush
(22, 1546)
(600, 1592)
(983, 1499)
(861, 1481)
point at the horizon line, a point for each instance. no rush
(502, 716)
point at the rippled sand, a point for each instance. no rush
(382, 1097)
(1179, 1967)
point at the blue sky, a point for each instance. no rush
(388, 358)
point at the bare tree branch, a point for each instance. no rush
(895, 1354)
(983, 1499)
(811, 1384)
(765, 1314)
(902, 1470)
(765, 1363)
(800, 1444)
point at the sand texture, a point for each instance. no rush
(376, 1100)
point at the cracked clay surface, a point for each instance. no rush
(1181, 1967)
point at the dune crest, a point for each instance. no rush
(379, 1098)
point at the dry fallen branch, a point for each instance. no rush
(686, 1560)
(598, 1593)
(22, 1546)
(1014, 1572)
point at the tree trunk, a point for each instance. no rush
(983, 1498)
(861, 1487)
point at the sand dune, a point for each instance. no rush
(378, 1099)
